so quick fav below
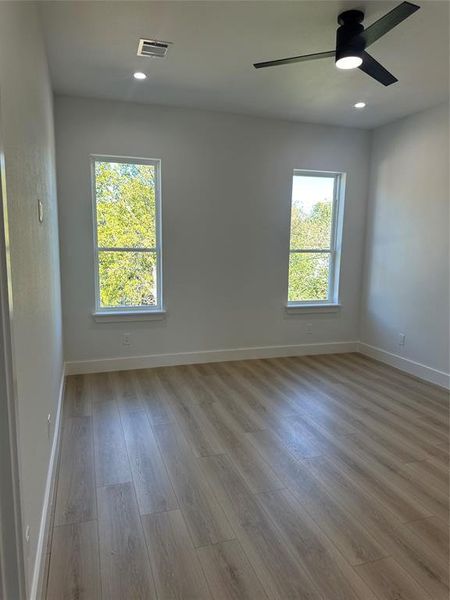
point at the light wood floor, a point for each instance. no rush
(295, 478)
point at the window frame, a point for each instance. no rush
(335, 249)
(100, 312)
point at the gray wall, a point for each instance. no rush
(27, 133)
(407, 248)
(226, 186)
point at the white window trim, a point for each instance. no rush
(137, 315)
(332, 303)
(126, 313)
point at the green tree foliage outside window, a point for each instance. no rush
(311, 229)
(125, 196)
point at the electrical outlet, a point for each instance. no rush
(126, 339)
(309, 328)
(401, 339)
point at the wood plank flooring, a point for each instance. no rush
(312, 478)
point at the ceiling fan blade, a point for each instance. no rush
(294, 59)
(398, 14)
(373, 68)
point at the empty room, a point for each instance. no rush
(224, 300)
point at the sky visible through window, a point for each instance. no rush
(307, 191)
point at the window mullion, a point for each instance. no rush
(125, 249)
(312, 251)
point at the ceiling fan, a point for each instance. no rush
(352, 40)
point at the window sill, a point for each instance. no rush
(106, 316)
(313, 308)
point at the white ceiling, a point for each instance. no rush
(92, 52)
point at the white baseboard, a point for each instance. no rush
(121, 363)
(405, 364)
(185, 358)
(39, 563)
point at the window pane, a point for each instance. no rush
(125, 201)
(311, 213)
(308, 276)
(127, 279)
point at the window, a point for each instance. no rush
(127, 208)
(316, 226)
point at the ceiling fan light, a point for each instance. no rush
(349, 62)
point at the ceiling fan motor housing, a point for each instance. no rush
(349, 42)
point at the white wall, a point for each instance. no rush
(28, 139)
(407, 250)
(226, 186)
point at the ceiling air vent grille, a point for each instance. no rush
(152, 48)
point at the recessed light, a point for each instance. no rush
(139, 75)
(349, 62)
(360, 105)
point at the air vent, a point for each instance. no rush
(152, 48)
